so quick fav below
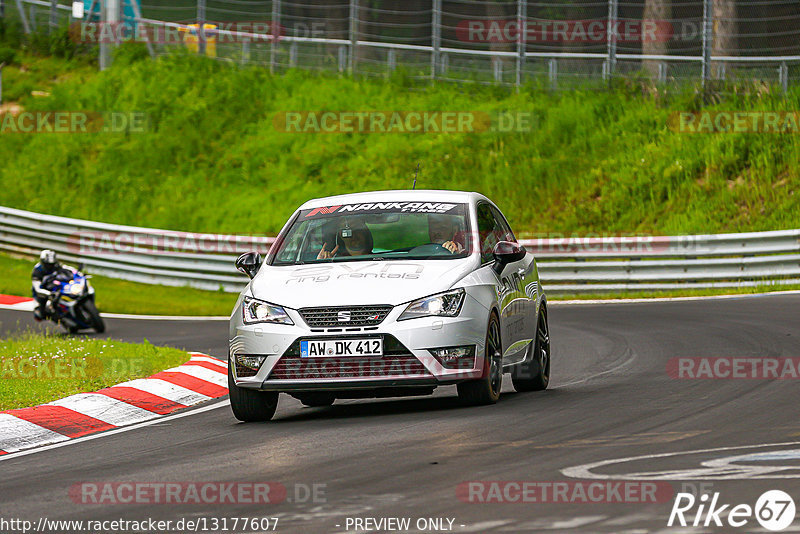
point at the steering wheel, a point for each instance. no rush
(431, 249)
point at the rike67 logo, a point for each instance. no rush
(774, 511)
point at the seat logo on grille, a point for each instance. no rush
(344, 316)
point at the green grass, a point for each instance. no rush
(121, 296)
(597, 161)
(37, 368)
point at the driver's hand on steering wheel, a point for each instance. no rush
(325, 254)
(453, 247)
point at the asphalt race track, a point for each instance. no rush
(610, 398)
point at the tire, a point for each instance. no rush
(316, 400)
(534, 373)
(93, 317)
(250, 405)
(486, 390)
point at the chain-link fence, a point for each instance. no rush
(558, 42)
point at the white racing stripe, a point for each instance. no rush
(202, 373)
(166, 390)
(105, 409)
(17, 434)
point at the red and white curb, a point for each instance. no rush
(200, 379)
(12, 302)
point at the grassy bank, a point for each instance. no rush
(213, 160)
(121, 296)
(37, 368)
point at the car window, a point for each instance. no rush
(508, 234)
(490, 231)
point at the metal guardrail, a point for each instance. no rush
(566, 265)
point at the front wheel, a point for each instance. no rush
(93, 317)
(534, 373)
(486, 390)
(250, 405)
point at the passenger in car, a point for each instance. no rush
(352, 239)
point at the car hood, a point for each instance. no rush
(358, 282)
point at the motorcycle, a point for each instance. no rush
(72, 302)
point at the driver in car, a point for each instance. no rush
(444, 230)
(351, 240)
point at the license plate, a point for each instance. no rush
(341, 347)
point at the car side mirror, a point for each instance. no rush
(249, 263)
(506, 252)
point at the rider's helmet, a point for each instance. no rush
(48, 258)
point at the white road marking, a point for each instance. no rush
(196, 356)
(17, 434)
(585, 471)
(99, 435)
(668, 299)
(105, 409)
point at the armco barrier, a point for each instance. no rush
(566, 266)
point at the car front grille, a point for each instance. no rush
(397, 361)
(344, 316)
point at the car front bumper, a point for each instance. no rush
(407, 361)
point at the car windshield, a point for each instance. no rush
(376, 231)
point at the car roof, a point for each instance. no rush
(397, 195)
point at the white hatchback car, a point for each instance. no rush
(386, 294)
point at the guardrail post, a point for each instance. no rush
(201, 27)
(436, 36)
(662, 72)
(391, 59)
(275, 31)
(343, 58)
(353, 34)
(32, 16)
(444, 63)
(497, 65)
(245, 51)
(611, 37)
(293, 55)
(552, 72)
(522, 21)
(708, 39)
(783, 76)
(23, 18)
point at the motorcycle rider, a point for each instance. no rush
(41, 277)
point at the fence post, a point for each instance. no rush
(138, 14)
(110, 16)
(522, 21)
(201, 27)
(353, 35)
(32, 16)
(708, 38)
(21, 12)
(275, 25)
(611, 37)
(436, 36)
(53, 15)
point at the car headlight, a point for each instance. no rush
(258, 311)
(446, 304)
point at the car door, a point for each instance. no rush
(513, 302)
